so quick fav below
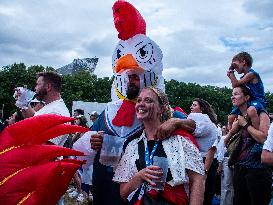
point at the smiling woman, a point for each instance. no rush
(183, 162)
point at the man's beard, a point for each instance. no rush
(132, 92)
(41, 94)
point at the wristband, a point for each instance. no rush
(246, 125)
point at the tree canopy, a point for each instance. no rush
(84, 86)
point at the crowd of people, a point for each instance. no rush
(141, 151)
(193, 147)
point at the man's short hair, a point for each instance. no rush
(244, 56)
(53, 78)
(80, 111)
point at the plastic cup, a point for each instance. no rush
(111, 150)
(24, 97)
(162, 162)
(83, 145)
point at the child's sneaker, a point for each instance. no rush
(71, 189)
(80, 198)
(73, 194)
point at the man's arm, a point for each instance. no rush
(234, 82)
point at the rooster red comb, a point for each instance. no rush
(128, 21)
(29, 171)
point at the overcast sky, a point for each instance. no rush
(198, 37)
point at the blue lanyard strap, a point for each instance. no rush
(149, 156)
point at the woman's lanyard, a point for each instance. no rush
(149, 156)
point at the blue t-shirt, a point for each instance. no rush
(257, 95)
(256, 89)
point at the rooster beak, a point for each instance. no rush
(127, 62)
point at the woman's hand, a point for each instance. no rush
(149, 174)
(242, 121)
(234, 129)
(260, 134)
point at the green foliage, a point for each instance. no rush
(269, 97)
(84, 86)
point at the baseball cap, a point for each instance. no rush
(94, 113)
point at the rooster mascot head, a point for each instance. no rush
(135, 52)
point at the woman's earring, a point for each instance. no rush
(161, 117)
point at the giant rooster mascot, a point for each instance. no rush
(135, 53)
(29, 170)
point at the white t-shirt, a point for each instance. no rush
(221, 149)
(205, 131)
(268, 144)
(57, 107)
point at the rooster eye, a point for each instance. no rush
(145, 53)
(142, 52)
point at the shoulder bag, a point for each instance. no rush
(234, 147)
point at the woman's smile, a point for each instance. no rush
(147, 105)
